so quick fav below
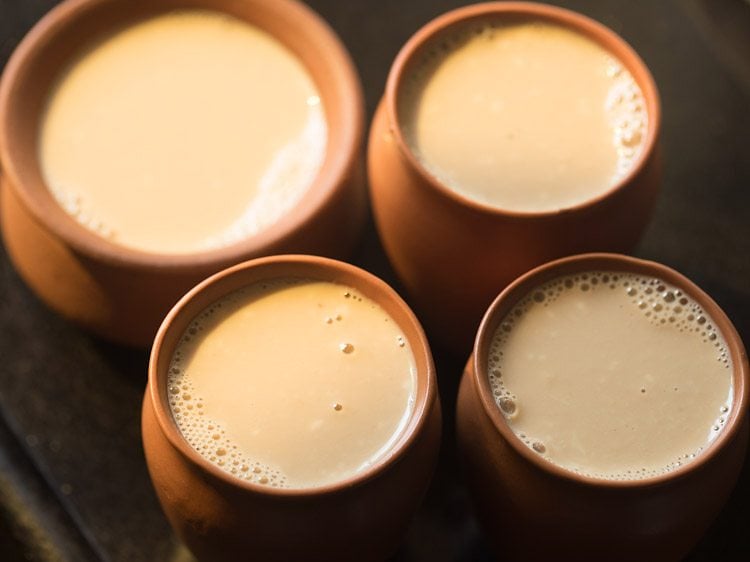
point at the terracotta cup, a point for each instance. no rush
(123, 294)
(533, 509)
(221, 517)
(454, 254)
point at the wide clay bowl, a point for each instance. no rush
(532, 509)
(454, 254)
(221, 517)
(123, 294)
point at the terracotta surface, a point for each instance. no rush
(533, 509)
(123, 294)
(221, 517)
(454, 254)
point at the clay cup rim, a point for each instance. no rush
(524, 285)
(61, 34)
(584, 25)
(275, 267)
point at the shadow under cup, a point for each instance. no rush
(221, 517)
(454, 253)
(533, 509)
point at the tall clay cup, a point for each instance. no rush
(531, 509)
(123, 294)
(222, 517)
(454, 254)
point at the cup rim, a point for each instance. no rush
(575, 21)
(524, 284)
(340, 157)
(314, 267)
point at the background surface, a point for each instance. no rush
(73, 482)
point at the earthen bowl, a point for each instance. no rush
(123, 294)
(454, 254)
(221, 517)
(532, 509)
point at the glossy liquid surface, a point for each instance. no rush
(523, 115)
(181, 133)
(612, 375)
(294, 384)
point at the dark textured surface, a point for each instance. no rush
(73, 483)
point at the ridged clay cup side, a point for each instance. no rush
(221, 517)
(531, 509)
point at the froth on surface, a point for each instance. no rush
(522, 114)
(185, 132)
(292, 383)
(611, 375)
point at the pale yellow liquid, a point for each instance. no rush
(524, 116)
(184, 132)
(613, 375)
(293, 384)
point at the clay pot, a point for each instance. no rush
(454, 254)
(221, 517)
(123, 294)
(533, 509)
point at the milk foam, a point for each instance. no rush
(221, 442)
(523, 115)
(655, 301)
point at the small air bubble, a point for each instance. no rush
(539, 447)
(507, 405)
(346, 347)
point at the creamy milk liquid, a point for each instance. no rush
(524, 116)
(181, 133)
(612, 375)
(293, 384)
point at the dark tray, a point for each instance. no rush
(73, 482)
